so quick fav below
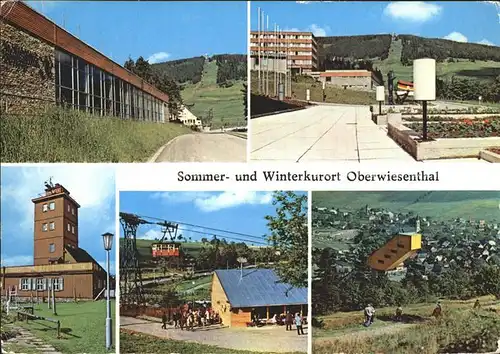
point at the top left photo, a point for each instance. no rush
(96, 81)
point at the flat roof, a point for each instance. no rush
(23, 16)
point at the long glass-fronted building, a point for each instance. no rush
(42, 64)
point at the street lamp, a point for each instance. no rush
(107, 239)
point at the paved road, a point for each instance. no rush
(205, 148)
(264, 339)
(322, 133)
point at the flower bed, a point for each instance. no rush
(449, 118)
(464, 128)
(495, 150)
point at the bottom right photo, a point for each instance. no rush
(406, 272)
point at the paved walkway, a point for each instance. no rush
(322, 133)
(204, 147)
(265, 339)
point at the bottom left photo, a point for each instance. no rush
(58, 259)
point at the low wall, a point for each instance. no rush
(262, 105)
(489, 156)
(439, 148)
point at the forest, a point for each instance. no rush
(458, 260)
(160, 80)
(230, 67)
(182, 70)
(463, 89)
(357, 47)
(440, 49)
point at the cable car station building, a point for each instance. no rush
(57, 257)
(236, 293)
(43, 65)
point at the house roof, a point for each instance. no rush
(258, 287)
(80, 255)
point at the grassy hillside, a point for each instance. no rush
(226, 102)
(461, 329)
(439, 205)
(61, 135)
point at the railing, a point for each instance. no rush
(30, 316)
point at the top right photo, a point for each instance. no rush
(383, 81)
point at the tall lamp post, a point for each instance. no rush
(108, 243)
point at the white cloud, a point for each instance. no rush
(151, 235)
(232, 199)
(486, 42)
(92, 186)
(414, 11)
(497, 6)
(457, 37)
(317, 30)
(158, 57)
(16, 261)
(209, 202)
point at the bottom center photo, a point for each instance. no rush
(213, 272)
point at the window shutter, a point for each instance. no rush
(20, 284)
(61, 283)
(44, 284)
(29, 284)
(33, 282)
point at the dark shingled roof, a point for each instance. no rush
(80, 255)
(258, 287)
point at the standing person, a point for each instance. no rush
(298, 323)
(399, 313)
(437, 310)
(164, 320)
(176, 319)
(477, 304)
(289, 321)
(369, 314)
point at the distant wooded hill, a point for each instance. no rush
(414, 47)
(190, 70)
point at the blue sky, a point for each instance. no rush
(92, 186)
(157, 30)
(241, 212)
(462, 21)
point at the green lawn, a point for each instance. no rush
(61, 135)
(141, 343)
(82, 327)
(227, 103)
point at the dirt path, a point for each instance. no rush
(264, 339)
(205, 147)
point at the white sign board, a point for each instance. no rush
(380, 94)
(424, 79)
(308, 95)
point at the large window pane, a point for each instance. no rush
(97, 82)
(66, 76)
(66, 96)
(64, 58)
(83, 78)
(83, 100)
(109, 87)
